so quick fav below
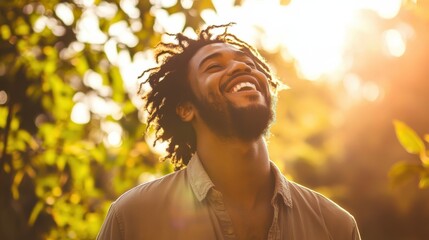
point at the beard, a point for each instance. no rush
(246, 123)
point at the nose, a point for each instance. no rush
(237, 67)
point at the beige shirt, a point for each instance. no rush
(186, 205)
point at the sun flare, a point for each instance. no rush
(312, 32)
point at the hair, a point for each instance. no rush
(170, 86)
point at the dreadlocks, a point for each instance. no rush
(170, 87)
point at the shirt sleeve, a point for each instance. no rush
(112, 228)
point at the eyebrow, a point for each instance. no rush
(211, 56)
(218, 54)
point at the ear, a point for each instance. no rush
(186, 111)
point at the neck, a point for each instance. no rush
(239, 169)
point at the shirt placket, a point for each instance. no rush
(216, 201)
(274, 232)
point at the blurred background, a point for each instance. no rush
(353, 123)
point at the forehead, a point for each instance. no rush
(214, 49)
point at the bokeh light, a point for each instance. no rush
(3, 97)
(80, 113)
(113, 134)
(394, 42)
(88, 30)
(65, 13)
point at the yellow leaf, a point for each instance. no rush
(426, 137)
(408, 138)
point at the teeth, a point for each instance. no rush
(241, 85)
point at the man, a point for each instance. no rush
(211, 99)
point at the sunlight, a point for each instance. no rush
(187, 4)
(88, 29)
(111, 51)
(130, 8)
(106, 10)
(352, 85)
(86, 3)
(394, 42)
(384, 8)
(80, 113)
(370, 91)
(65, 13)
(92, 79)
(159, 148)
(113, 131)
(114, 139)
(123, 34)
(168, 23)
(310, 32)
(357, 90)
(315, 34)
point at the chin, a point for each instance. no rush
(248, 122)
(251, 122)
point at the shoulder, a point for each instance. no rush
(154, 190)
(328, 211)
(151, 202)
(141, 211)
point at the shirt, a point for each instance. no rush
(186, 205)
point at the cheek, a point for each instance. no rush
(211, 88)
(263, 82)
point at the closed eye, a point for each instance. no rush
(214, 67)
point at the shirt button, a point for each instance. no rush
(230, 231)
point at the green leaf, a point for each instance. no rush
(35, 213)
(408, 138)
(16, 182)
(49, 157)
(3, 112)
(21, 27)
(204, 4)
(5, 32)
(128, 107)
(424, 182)
(403, 171)
(174, 9)
(117, 85)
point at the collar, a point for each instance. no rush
(198, 178)
(281, 186)
(201, 183)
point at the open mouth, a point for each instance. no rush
(242, 83)
(243, 86)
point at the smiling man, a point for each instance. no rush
(211, 98)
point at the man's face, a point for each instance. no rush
(232, 95)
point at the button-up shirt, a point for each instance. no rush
(186, 205)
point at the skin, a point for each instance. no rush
(239, 169)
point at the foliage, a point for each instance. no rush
(58, 177)
(413, 144)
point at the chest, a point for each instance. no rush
(254, 224)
